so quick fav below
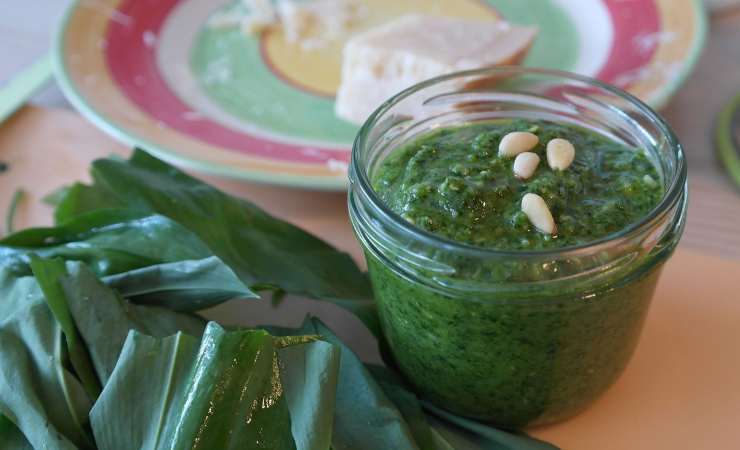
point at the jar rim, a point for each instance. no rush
(673, 194)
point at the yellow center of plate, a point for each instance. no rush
(318, 69)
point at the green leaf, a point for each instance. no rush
(48, 273)
(78, 401)
(104, 319)
(170, 248)
(33, 395)
(409, 406)
(11, 437)
(230, 362)
(108, 241)
(309, 374)
(365, 418)
(226, 395)
(145, 394)
(160, 322)
(151, 259)
(48, 400)
(10, 216)
(375, 409)
(485, 436)
(181, 286)
(79, 198)
(55, 198)
(262, 250)
(454, 432)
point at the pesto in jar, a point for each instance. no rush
(525, 356)
(453, 183)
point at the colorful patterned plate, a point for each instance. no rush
(153, 74)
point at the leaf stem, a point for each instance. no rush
(12, 209)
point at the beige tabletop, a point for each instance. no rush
(681, 390)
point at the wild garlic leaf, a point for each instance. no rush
(108, 241)
(455, 432)
(262, 250)
(32, 392)
(71, 201)
(376, 409)
(48, 274)
(145, 394)
(15, 202)
(408, 405)
(78, 401)
(225, 393)
(11, 436)
(365, 418)
(103, 318)
(459, 430)
(309, 371)
(150, 258)
(185, 286)
(229, 362)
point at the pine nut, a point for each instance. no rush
(538, 213)
(525, 164)
(560, 154)
(517, 142)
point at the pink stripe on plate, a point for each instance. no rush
(636, 38)
(132, 61)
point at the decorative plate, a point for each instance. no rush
(155, 74)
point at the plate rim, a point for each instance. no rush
(698, 42)
(309, 182)
(69, 89)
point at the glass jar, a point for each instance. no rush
(516, 338)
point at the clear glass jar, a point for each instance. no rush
(517, 338)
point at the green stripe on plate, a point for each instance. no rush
(252, 93)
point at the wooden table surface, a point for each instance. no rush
(681, 390)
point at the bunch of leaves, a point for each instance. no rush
(265, 252)
(101, 346)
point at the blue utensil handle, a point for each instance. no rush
(21, 87)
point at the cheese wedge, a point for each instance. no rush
(252, 16)
(383, 61)
(312, 23)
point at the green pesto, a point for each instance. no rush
(453, 183)
(529, 356)
(536, 359)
